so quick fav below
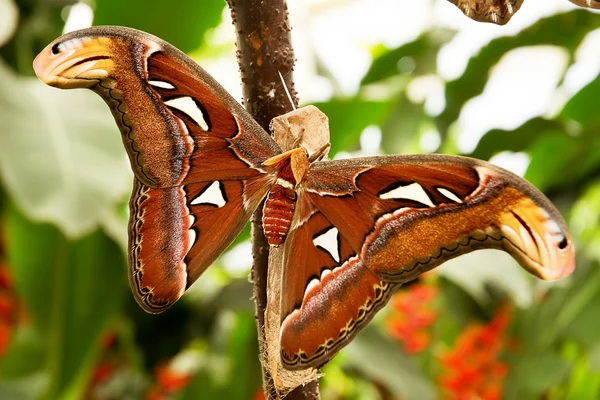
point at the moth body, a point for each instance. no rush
(277, 214)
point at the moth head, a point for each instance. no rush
(76, 61)
(297, 159)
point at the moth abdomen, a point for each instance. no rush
(278, 213)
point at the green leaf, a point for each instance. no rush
(585, 325)
(560, 160)
(533, 373)
(243, 354)
(519, 139)
(27, 388)
(72, 289)
(581, 106)
(381, 359)
(400, 131)
(585, 219)
(61, 159)
(421, 53)
(583, 383)
(348, 118)
(547, 31)
(474, 272)
(182, 23)
(26, 354)
(232, 369)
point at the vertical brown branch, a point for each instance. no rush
(264, 52)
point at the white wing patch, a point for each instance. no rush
(329, 242)
(414, 192)
(162, 84)
(188, 106)
(212, 195)
(449, 195)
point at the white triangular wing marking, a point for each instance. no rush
(211, 195)
(162, 84)
(188, 106)
(449, 195)
(414, 192)
(329, 242)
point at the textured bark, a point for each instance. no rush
(264, 52)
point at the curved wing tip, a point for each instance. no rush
(151, 307)
(74, 61)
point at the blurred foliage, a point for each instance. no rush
(478, 327)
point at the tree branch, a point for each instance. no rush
(264, 52)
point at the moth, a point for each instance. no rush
(501, 11)
(352, 230)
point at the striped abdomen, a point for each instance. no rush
(278, 213)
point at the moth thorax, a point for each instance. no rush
(278, 213)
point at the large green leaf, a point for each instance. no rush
(72, 290)
(534, 373)
(518, 139)
(560, 160)
(232, 369)
(421, 53)
(476, 271)
(182, 23)
(581, 106)
(61, 159)
(564, 30)
(348, 118)
(401, 130)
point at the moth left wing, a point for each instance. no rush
(176, 233)
(365, 226)
(407, 214)
(328, 293)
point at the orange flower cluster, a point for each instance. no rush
(472, 369)
(411, 316)
(168, 382)
(8, 308)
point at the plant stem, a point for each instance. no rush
(264, 52)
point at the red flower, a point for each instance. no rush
(473, 369)
(259, 395)
(103, 371)
(156, 393)
(170, 380)
(412, 314)
(8, 308)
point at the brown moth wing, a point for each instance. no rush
(176, 233)
(587, 3)
(328, 294)
(178, 124)
(365, 226)
(404, 215)
(495, 11)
